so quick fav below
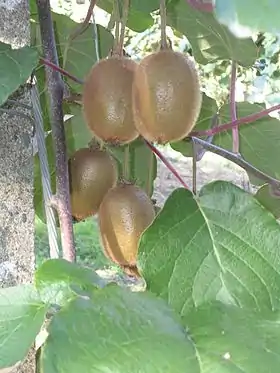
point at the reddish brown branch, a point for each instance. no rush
(228, 126)
(166, 162)
(55, 67)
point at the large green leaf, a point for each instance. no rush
(246, 239)
(117, 331)
(58, 280)
(176, 254)
(22, 314)
(208, 110)
(229, 339)
(142, 163)
(210, 40)
(245, 17)
(258, 140)
(223, 245)
(16, 65)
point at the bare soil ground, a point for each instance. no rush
(211, 167)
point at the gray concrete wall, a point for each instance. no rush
(17, 260)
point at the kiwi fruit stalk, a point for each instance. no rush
(125, 212)
(166, 96)
(107, 100)
(92, 173)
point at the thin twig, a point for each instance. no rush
(82, 28)
(239, 161)
(166, 162)
(60, 70)
(55, 88)
(126, 163)
(151, 171)
(228, 126)
(163, 23)
(233, 115)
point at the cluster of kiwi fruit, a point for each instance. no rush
(158, 99)
(124, 210)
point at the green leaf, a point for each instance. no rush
(244, 18)
(229, 339)
(139, 18)
(117, 331)
(139, 21)
(258, 140)
(16, 66)
(208, 110)
(210, 40)
(246, 241)
(270, 202)
(58, 280)
(77, 132)
(143, 163)
(22, 314)
(145, 6)
(222, 245)
(176, 254)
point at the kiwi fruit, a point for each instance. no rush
(92, 173)
(107, 100)
(166, 96)
(125, 212)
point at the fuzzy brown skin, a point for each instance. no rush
(107, 100)
(166, 96)
(124, 214)
(92, 173)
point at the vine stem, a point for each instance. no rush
(126, 168)
(233, 115)
(163, 24)
(166, 162)
(201, 5)
(61, 201)
(151, 170)
(228, 126)
(82, 28)
(125, 11)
